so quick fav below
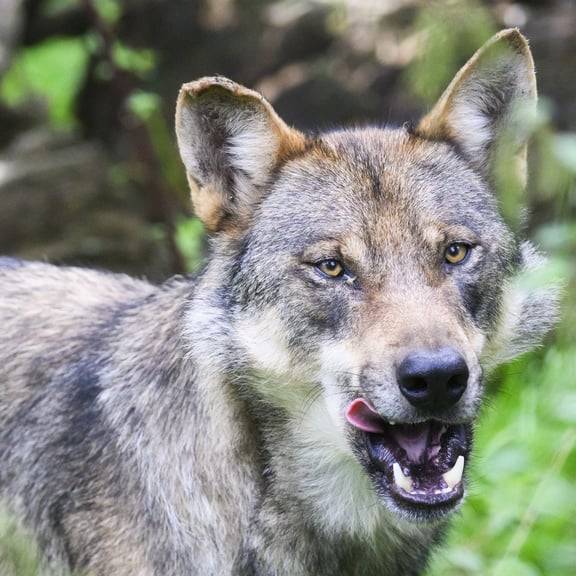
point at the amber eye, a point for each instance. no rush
(332, 268)
(456, 252)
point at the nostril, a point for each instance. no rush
(434, 379)
(415, 390)
(459, 380)
(456, 386)
(415, 385)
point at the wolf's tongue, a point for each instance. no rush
(361, 415)
(413, 439)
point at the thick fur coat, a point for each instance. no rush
(218, 425)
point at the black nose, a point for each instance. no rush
(433, 379)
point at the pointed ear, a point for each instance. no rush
(482, 103)
(230, 141)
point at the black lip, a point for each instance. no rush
(426, 500)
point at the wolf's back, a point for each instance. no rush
(59, 459)
(46, 314)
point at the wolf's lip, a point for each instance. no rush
(421, 465)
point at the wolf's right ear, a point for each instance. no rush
(481, 104)
(230, 141)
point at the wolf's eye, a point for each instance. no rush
(456, 252)
(332, 268)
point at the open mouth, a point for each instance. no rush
(420, 465)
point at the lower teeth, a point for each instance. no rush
(452, 478)
(402, 481)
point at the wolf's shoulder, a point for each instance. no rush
(9, 263)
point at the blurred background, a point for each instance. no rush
(89, 175)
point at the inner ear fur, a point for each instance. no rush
(230, 140)
(481, 104)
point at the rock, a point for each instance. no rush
(57, 203)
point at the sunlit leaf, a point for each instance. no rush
(52, 71)
(565, 150)
(109, 10)
(137, 61)
(189, 238)
(144, 104)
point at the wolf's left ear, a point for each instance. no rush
(481, 103)
(230, 141)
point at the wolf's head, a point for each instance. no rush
(369, 270)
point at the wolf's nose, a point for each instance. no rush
(433, 379)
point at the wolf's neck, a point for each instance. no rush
(315, 490)
(302, 470)
(310, 459)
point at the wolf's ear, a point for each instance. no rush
(481, 104)
(230, 141)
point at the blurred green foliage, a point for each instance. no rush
(189, 237)
(18, 556)
(138, 61)
(450, 32)
(53, 72)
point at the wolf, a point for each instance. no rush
(305, 405)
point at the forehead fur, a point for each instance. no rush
(364, 179)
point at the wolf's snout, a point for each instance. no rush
(433, 379)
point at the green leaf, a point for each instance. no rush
(144, 104)
(450, 29)
(465, 559)
(52, 71)
(564, 146)
(515, 567)
(189, 239)
(109, 10)
(137, 61)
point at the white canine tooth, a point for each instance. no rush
(404, 482)
(454, 476)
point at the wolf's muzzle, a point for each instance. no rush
(433, 379)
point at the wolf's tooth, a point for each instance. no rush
(454, 475)
(404, 482)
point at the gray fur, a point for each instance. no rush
(197, 428)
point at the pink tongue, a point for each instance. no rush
(413, 439)
(361, 415)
